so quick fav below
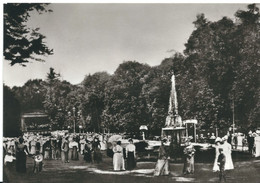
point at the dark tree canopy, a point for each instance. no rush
(11, 113)
(21, 43)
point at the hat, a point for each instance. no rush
(225, 138)
(164, 140)
(218, 139)
(254, 134)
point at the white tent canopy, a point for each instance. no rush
(191, 121)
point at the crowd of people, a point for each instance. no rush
(69, 147)
(238, 141)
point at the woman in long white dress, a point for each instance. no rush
(217, 146)
(257, 146)
(227, 150)
(162, 165)
(118, 158)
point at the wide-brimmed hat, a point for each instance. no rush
(225, 138)
(218, 139)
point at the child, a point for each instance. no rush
(9, 158)
(37, 167)
(221, 164)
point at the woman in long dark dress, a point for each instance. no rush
(65, 150)
(21, 156)
(130, 155)
(47, 149)
(75, 151)
(97, 156)
(87, 151)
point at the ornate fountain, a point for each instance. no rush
(174, 128)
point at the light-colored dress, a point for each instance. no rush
(118, 158)
(227, 150)
(215, 166)
(33, 147)
(82, 143)
(162, 165)
(189, 153)
(257, 146)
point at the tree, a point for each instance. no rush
(124, 107)
(31, 95)
(56, 102)
(11, 114)
(245, 89)
(21, 43)
(93, 101)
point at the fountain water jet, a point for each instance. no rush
(173, 118)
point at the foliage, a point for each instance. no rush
(31, 95)
(125, 110)
(93, 99)
(21, 43)
(11, 113)
(57, 101)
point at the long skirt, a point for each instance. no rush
(75, 155)
(41, 149)
(21, 162)
(130, 161)
(70, 154)
(87, 156)
(97, 155)
(58, 153)
(33, 150)
(257, 146)
(229, 163)
(63, 160)
(103, 146)
(188, 165)
(162, 167)
(215, 166)
(53, 154)
(47, 154)
(82, 148)
(118, 162)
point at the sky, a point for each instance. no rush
(88, 38)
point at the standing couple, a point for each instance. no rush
(227, 151)
(118, 157)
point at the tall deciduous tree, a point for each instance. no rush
(11, 114)
(124, 105)
(93, 101)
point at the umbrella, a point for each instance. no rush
(143, 127)
(115, 138)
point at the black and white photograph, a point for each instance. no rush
(129, 92)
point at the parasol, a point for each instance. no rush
(115, 138)
(143, 127)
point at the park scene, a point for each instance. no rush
(131, 92)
